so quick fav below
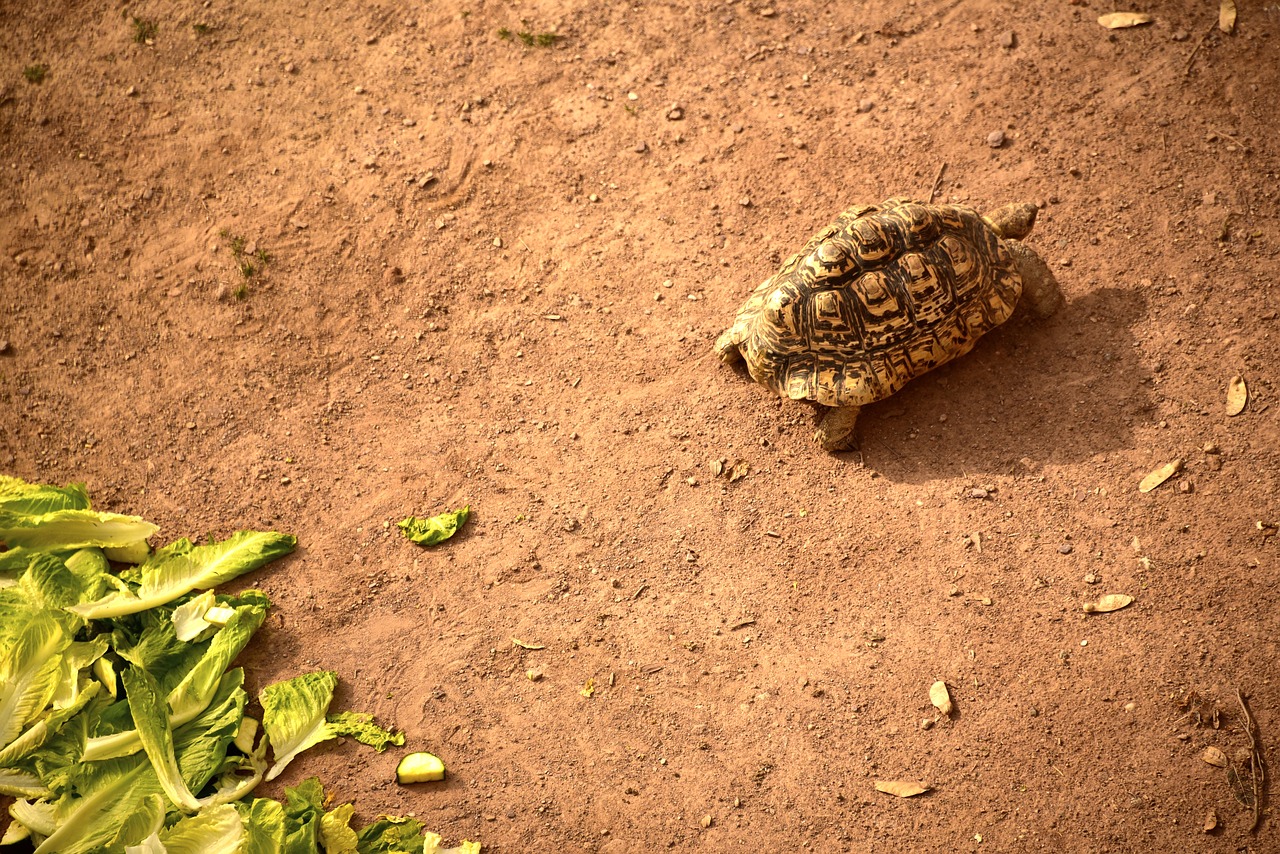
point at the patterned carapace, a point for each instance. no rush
(880, 296)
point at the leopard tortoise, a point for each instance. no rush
(880, 296)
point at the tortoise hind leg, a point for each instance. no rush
(836, 429)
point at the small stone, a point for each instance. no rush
(497, 241)
(371, 163)
(1008, 40)
(359, 90)
(1211, 448)
(408, 122)
(1214, 463)
(986, 601)
(533, 674)
(1181, 35)
(593, 198)
(4, 347)
(640, 147)
(1091, 578)
(995, 139)
(768, 12)
(676, 113)
(926, 723)
(1186, 487)
(1130, 706)
(290, 68)
(286, 480)
(745, 201)
(977, 492)
(191, 425)
(1066, 549)
(707, 821)
(866, 105)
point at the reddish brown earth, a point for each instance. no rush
(529, 332)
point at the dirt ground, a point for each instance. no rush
(488, 272)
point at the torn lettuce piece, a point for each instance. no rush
(263, 826)
(361, 727)
(173, 572)
(435, 529)
(109, 797)
(293, 715)
(189, 617)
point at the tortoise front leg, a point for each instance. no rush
(835, 430)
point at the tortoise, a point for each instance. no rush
(882, 295)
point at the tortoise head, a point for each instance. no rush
(1013, 222)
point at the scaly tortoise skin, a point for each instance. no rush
(880, 296)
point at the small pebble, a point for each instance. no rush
(4, 347)
(640, 147)
(676, 113)
(1211, 448)
(497, 241)
(1066, 549)
(926, 723)
(866, 105)
(1008, 40)
(995, 139)
(1091, 579)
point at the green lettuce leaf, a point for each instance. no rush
(304, 813)
(263, 826)
(108, 795)
(436, 529)
(169, 574)
(361, 727)
(218, 830)
(200, 668)
(336, 835)
(154, 730)
(293, 715)
(73, 529)
(390, 835)
(29, 674)
(30, 499)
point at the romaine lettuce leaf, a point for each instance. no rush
(73, 529)
(156, 734)
(293, 715)
(29, 674)
(218, 830)
(32, 499)
(169, 574)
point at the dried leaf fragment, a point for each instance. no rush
(1108, 603)
(1160, 475)
(738, 472)
(901, 788)
(940, 697)
(1237, 395)
(1227, 16)
(1121, 20)
(588, 689)
(526, 644)
(1211, 821)
(1214, 756)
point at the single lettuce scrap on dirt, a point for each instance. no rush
(122, 721)
(435, 529)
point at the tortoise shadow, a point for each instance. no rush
(1031, 392)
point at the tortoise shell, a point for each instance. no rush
(877, 298)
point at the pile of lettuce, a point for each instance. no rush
(122, 723)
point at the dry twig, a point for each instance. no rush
(937, 183)
(1258, 774)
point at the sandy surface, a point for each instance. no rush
(493, 275)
